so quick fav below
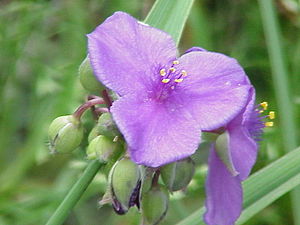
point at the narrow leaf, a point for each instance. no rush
(170, 16)
(263, 187)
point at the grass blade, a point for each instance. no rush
(170, 16)
(263, 187)
(281, 87)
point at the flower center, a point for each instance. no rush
(257, 120)
(172, 76)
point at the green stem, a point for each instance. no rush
(74, 194)
(281, 86)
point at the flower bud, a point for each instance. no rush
(102, 148)
(65, 134)
(177, 175)
(125, 183)
(87, 78)
(106, 126)
(155, 205)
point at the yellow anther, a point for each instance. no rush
(264, 105)
(172, 69)
(184, 73)
(175, 62)
(261, 111)
(165, 81)
(269, 124)
(162, 72)
(272, 115)
(178, 80)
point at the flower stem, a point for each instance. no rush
(75, 193)
(81, 109)
(106, 98)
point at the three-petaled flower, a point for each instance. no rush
(165, 101)
(224, 194)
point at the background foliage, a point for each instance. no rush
(42, 43)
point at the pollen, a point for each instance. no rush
(175, 62)
(178, 80)
(172, 69)
(184, 73)
(272, 115)
(165, 81)
(264, 105)
(162, 72)
(269, 124)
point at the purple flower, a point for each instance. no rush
(223, 185)
(164, 101)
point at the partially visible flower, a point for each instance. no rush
(223, 186)
(164, 101)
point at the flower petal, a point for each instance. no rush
(223, 194)
(243, 150)
(215, 88)
(124, 51)
(156, 133)
(194, 49)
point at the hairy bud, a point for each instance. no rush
(125, 183)
(154, 205)
(103, 149)
(87, 78)
(177, 175)
(65, 134)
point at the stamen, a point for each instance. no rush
(269, 124)
(261, 111)
(175, 62)
(162, 72)
(184, 73)
(172, 69)
(272, 115)
(264, 105)
(165, 81)
(178, 80)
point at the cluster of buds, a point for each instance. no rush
(129, 184)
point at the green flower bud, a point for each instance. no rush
(106, 126)
(65, 134)
(87, 78)
(155, 205)
(177, 175)
(102, 148)
(125, 183)
(93, 134)
(223, 151)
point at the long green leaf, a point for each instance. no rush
(170, 16)
(281, 87)
(263, 187)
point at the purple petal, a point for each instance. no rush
(123, 52)
(242, 146)
(156, 133)
(243, 150)
(194, 49)
(215, 89)
(223, 194)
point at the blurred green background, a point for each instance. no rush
(42, 43)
